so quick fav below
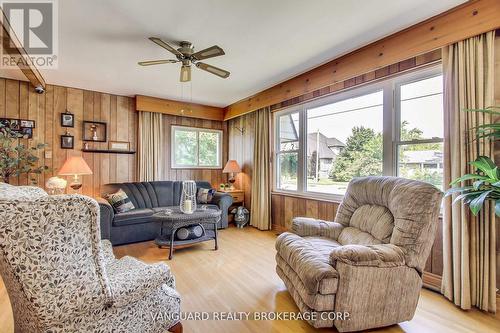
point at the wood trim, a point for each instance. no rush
(467, 20)
(9, 38)
(422, 61)
(432, 281)
(175, 108)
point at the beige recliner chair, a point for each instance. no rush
(365, 269)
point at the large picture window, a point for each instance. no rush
(394, 127)
(196, 148)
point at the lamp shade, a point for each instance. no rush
(75, 165)
(232, 166)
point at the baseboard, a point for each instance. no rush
(432, 281)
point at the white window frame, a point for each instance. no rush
(391, 128)
(398, 82)
(197, 130)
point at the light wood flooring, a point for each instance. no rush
(240, 276)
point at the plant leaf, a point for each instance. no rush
(468, 176)
(477, 203)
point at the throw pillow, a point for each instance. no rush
(120, 201)
(205, 195)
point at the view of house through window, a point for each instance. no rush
(196, 147)
(344, 137)
(344, 140)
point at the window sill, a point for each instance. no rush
(309, 196)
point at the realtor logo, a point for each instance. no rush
(34, 24)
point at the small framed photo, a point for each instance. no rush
(119, 145)
(67, 141)
(14, 124)
(27, 123)
(67, 119)
(26, 132)
(94, 131)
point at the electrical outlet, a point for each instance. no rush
(48, 154)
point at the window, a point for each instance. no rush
(394, 127)
(344, 140)
(196, 148)
(420, 130)
(288, 151)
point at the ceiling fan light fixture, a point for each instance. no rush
(185, 73)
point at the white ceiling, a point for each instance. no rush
(266, 42)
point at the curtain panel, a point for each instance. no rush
(260, 215)
(469, 274)
(150, 143)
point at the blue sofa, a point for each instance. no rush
(137, 225)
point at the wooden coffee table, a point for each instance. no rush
(176, 219)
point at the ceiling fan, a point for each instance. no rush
(185, 54)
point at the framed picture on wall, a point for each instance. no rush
(67, 141)
(119, 145)
(67, 119)
(22, 127)
(94, 131)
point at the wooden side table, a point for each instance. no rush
(238, 200)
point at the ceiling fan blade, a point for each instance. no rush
(157, 62)
(185, 73)
(213, 51)
(165, 45)
(212, 69)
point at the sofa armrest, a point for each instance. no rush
(107, 215)
(135, 280)
(305, 226)
(380, 255)
(223, 201)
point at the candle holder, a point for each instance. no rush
(188, 197)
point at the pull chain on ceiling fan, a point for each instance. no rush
(185, 54)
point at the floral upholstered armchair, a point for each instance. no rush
(363, 270)
(61, 277)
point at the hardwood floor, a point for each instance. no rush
(240, 276)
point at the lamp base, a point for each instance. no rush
(231, 181)
(76, 186)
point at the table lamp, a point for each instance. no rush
(231, 167)
(75, 166)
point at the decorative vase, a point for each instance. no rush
(188, 197)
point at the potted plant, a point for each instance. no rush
(17, 158)
(484, 185)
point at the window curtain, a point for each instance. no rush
(260, 213)
(150, 147)
(469, 275)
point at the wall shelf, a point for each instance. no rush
(108, 151)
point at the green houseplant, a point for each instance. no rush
(17, 158)
(484, 185)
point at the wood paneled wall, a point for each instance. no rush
(19, 100)
(214, 176)
(284, 208)
(241, 140)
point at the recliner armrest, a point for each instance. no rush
(305, 226)
(107, 216)
(380, 255)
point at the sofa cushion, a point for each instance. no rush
(120, 201)
(309, 257)
(133, 216)
(205, 195)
